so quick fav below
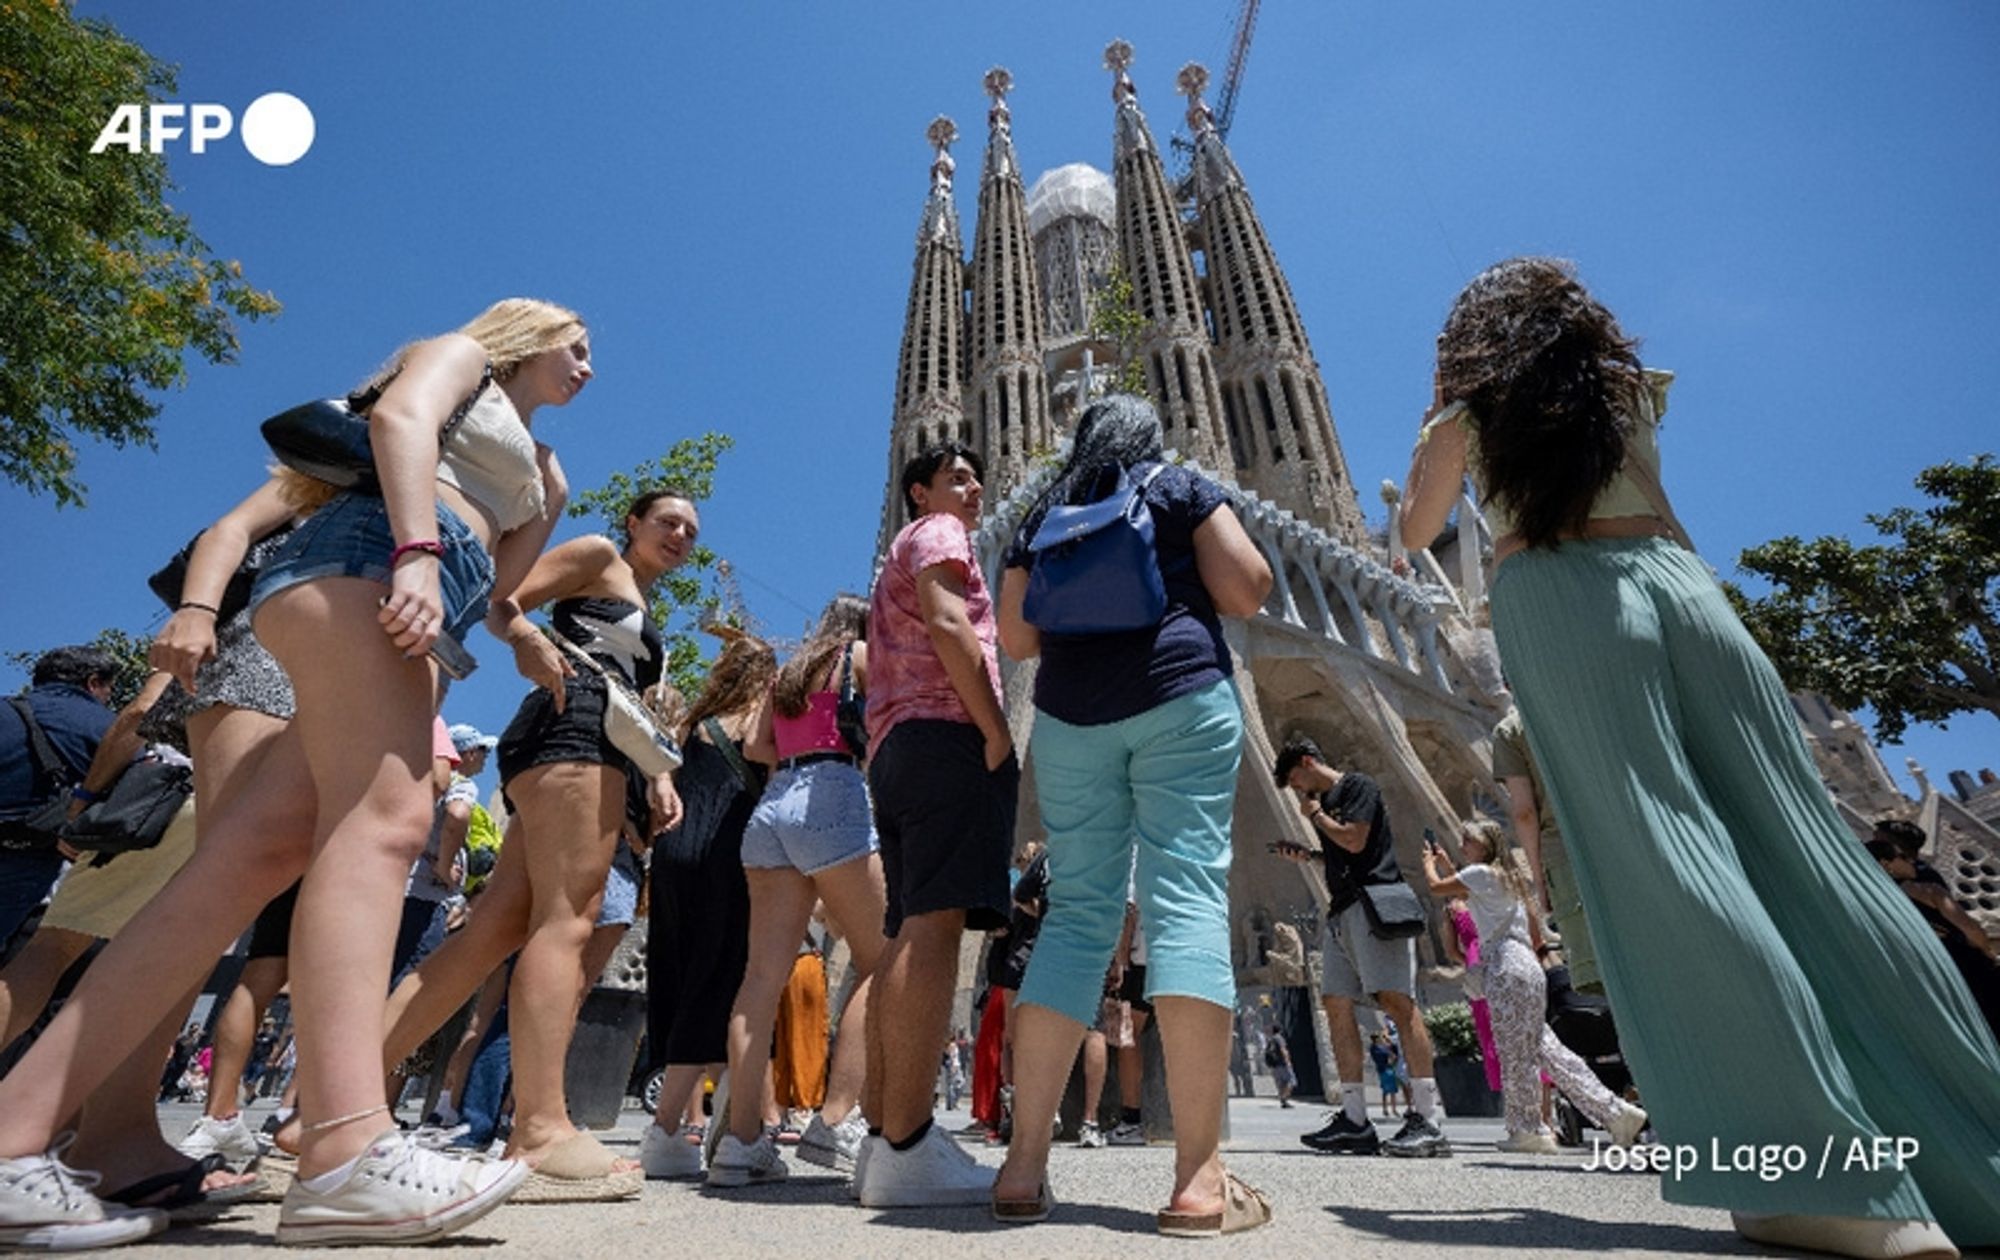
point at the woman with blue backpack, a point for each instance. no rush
(1118, 579)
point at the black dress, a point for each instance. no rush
(698, 938)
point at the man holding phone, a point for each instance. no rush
(1345, 812)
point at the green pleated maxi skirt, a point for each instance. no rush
(1781, 1002)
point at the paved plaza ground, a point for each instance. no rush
(1479, 1203)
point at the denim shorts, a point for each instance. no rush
(812, 817)
(350, 537)
(621, 890)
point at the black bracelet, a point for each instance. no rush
(192, 603)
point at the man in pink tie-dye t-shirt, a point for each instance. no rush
(944, 780)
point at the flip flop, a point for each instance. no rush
(580, 1170)
(1024, 1211)
(177, 1193)
(1243, 1207)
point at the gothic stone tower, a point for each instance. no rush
(1281, 436)
(930, 371)
(1007, 397)
(1175, 344)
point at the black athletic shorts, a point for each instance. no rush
(271, 937)
(945, 822)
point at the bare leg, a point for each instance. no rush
(567, 822)
(854, 899)
(1045, 1045)
(677, 1087)
(364, 715)
(464, 961)
(1410, 1026)
(31, 976)
(1132, 1063)
(1195, 1037)
(1346, 1037)
(913, 995)
(491, 994)
(237, 1030)
(781, 901)
(1095, 1063)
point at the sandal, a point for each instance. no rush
(177, 1192)
(1244, 1207)
(580, 1170)
(1024, 1211)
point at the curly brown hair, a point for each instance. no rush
(1550, 378)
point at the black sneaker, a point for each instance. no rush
(1341, 1136)
(1418, 1139)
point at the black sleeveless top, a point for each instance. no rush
(616, 634)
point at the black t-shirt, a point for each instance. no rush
(1094, 679)
(1357, 798)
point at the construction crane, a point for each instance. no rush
(1225, 100)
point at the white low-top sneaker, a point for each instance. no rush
(666, 1156)
(936, 1172)
(1861, 1238)
(740, 1163)
(45, 1205)
(833, 1145)
(399, 1192)
(1528, 1144)
(231, 1139)
(1626, 1124)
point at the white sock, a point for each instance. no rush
(1424, 1097)
(285, 1115)
(444, 1103)
(1354, 1102)
(331, 1180)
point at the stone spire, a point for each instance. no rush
(1281, 438)
(1175, 344)
(1007, 397)
(930, 371)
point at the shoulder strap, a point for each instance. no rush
(575, 651)
(847, 673)
(730, 753)
(49, 764)
(1647, 479)
(361, 401)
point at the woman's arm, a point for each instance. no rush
(858, 653)
(1443, 883)
(403, 427)
(1437, 474)
(570, 569)
(1022, 641)
(1454, 948)
(1232, 569)
(187, 641)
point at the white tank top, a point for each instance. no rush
(491, 461)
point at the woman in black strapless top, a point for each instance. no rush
(566, 785)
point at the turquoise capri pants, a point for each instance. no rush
(1165, 781)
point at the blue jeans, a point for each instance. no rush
(486, 1085)
(1164, 780)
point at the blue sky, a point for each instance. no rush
(1792, 203)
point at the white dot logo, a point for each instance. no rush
(277, 129)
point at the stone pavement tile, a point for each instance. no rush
(1478, 1204)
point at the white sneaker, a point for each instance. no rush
(936, 1172)
(1626, 1125)
(231, 1139)
(740, 1163)
(1868, 1239)
(861, 1157)
(665, 1156)
(399, 1192)
(1533, 1143)
(45, 1205)
(833, 1145)
(1089, 1136)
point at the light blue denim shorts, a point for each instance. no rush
(621, 889)
(350, 537)
(812, 817)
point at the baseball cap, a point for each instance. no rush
(465, 737)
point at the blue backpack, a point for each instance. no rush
(1095, 568)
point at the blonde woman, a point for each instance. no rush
(1495, 888)
(358, 607)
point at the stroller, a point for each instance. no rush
(1583, 1022)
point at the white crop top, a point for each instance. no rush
(491, 461)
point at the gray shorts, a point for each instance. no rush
(1357, 964)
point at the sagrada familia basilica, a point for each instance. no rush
(1394, 676)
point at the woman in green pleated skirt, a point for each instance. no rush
(1785, 1010)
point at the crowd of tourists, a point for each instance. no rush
(1670, 846)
